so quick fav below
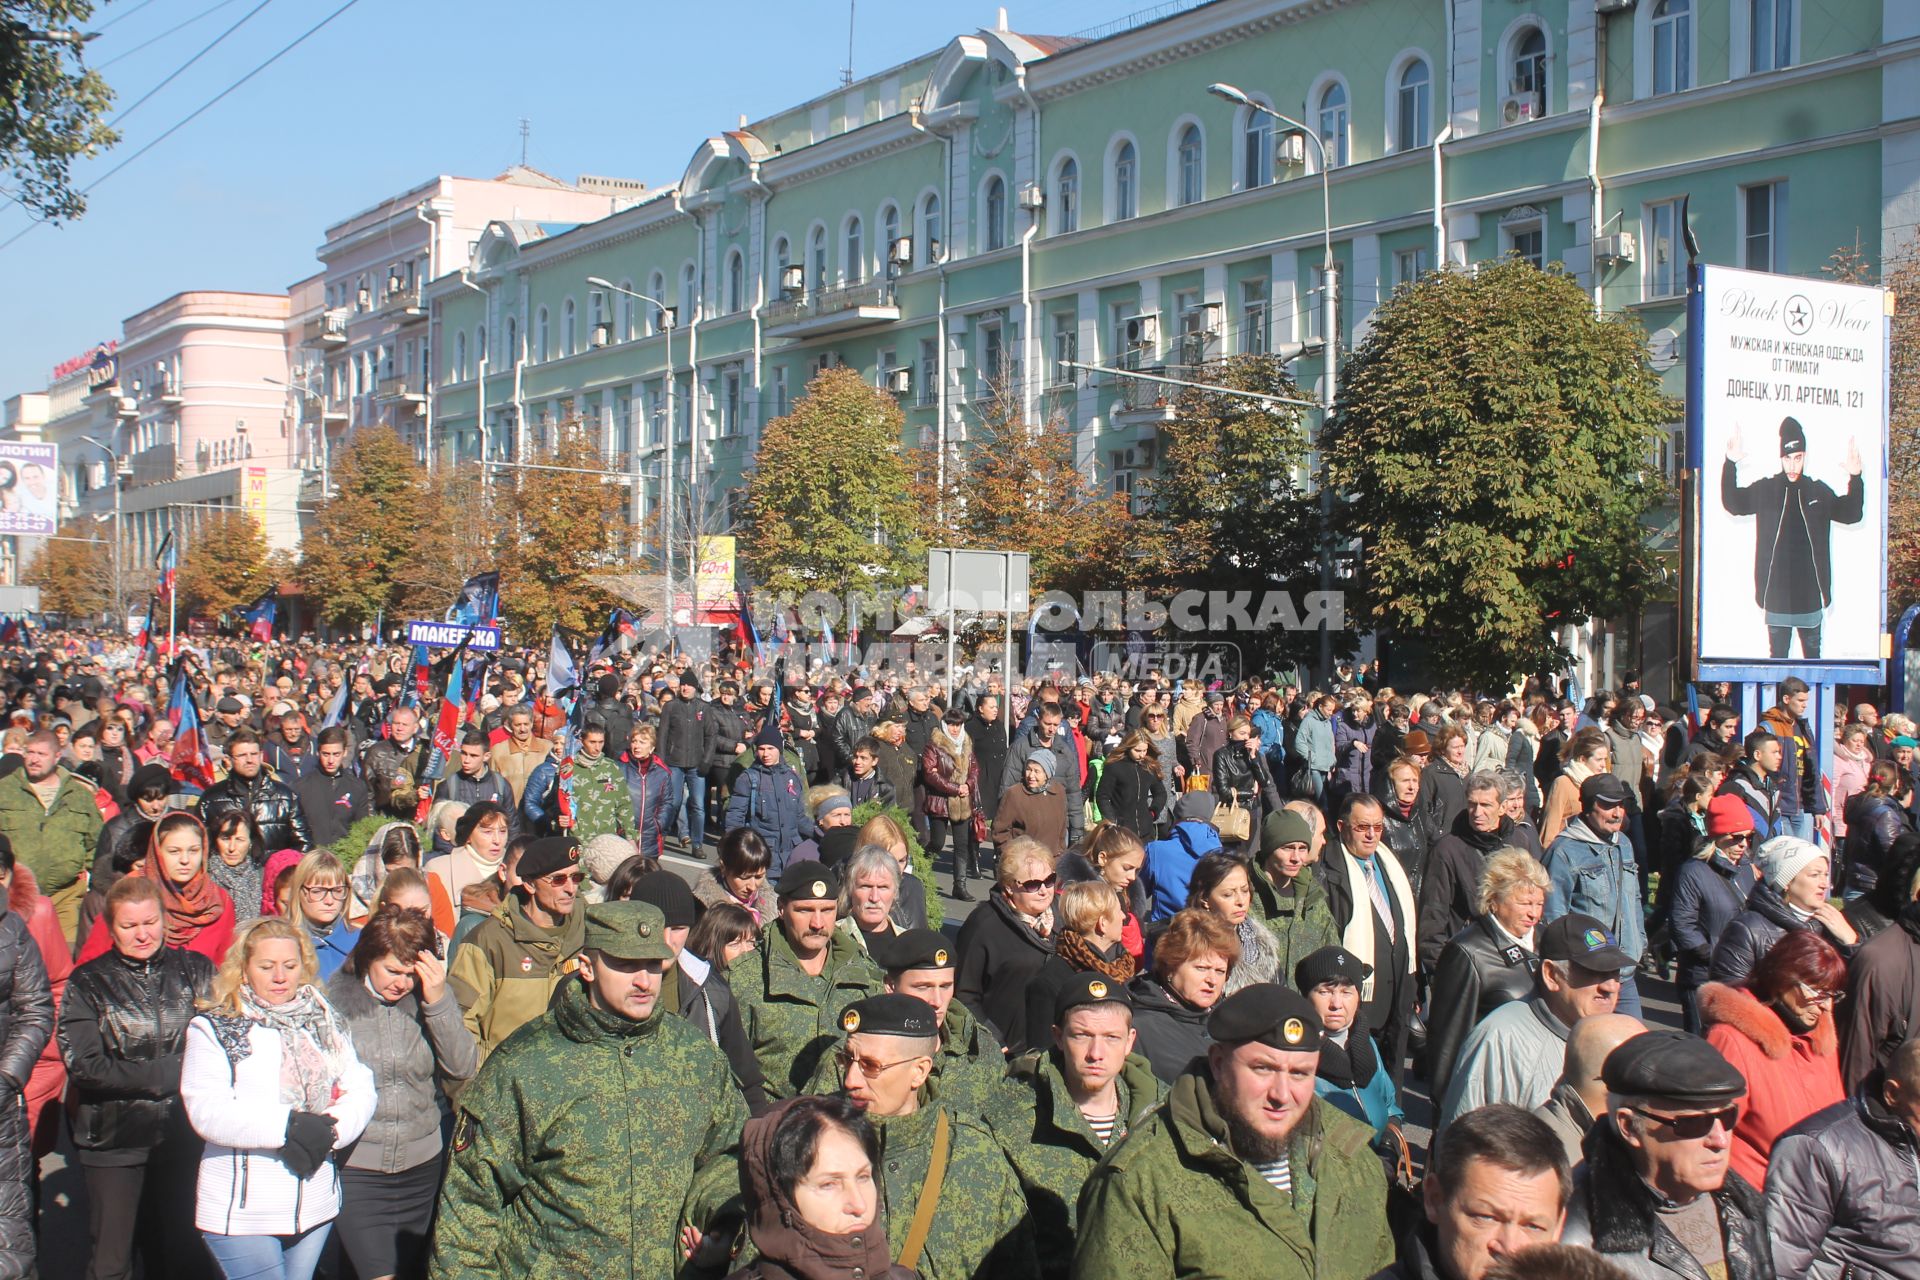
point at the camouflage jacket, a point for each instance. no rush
(980, 1225)
(1173, 1200)
(1302, 921)
(602, 805)
(584, 1144)
(504, 972)
(1052, 1147)
(791, 1017)
(970, 1070)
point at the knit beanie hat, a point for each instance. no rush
(1782, 858)
(601, 856)
(1728, 816)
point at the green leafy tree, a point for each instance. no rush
(560, 531)
(1491, 445)
(1229, 510)
(833, 503)
(52, 109)
(366, 540)
(74, 572)
(226, 565)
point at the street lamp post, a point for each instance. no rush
(119, 601)
(1330, 330)
(668, 317)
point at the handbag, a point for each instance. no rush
(1233, 822)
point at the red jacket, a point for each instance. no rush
(212, 941)
(49, 1076)
(1789, 1077)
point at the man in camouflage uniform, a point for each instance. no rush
(1066, 1107)
(504, 972)
(599, 1133)
(1241, 1162)
(791, 990)
(975, 1218)
(601, 803)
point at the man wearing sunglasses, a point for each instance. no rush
(504, 972)
(1657, 1195)
(944, 1178)
(1708, 893)
(1373, 905)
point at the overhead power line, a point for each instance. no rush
(150, 41)
(175, 74)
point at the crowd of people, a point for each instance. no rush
(646, 977)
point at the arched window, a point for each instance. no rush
(933, 229)
(1332, 111)
(994, 207)
(817, 259)
(1189, 161)
(459, 370)
(889, 231)
(1256, 149)
(1672, 46)
(569, 331)
(736, 281)
(1066, 198)
(480, 348)
(1126, 183)
(853, 261)
(629, 313)
(598, 329)
(513, 339)
(656, 288)
(541, 335)
(687, 298)
(781, 259)
(1527, 72)
(1413, 106)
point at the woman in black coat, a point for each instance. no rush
(1710, 889)
(1489, 962)
(1191, 960)
(123, 1030)
(1131, 790)
(1007, 939)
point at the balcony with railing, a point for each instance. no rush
(410, 388)
(1142, 400)
(402, 302)
(829, 311)
(327, 329)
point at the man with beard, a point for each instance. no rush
(1242, 1162)
(54, 824)
(1450, 891)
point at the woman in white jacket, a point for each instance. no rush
(271, 1082)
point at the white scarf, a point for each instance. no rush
(1358, 935)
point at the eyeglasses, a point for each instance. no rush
(1035, 886)
(1364, 828)
(338, 891)
(869, 1069)
(559, 878)
(1698, 1125)
(1740, 838)
(1814, 995)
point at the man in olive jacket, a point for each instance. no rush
(54, 824)
(504, 972)
(1242, 1162)
(597, 1131)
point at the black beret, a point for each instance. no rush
(1330, 964)
(1674, 1066)
(1085, 988)
(809, 880)
(545, 856)
(1269, 1014)
(917, 949)
(890, 1015)
(670, 893)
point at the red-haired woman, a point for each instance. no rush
(1777, 1029)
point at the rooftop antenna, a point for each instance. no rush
(846, 72)
(526, 131)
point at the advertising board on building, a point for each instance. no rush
(29, 488)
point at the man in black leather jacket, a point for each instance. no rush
(249, 786)
(26, 1022)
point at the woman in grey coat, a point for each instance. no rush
(407, 1029)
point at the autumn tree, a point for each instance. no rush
(52, 108)
(557, 532)
(457, 539)
(366, 540)
(1490, 446)
(1018, 488)
(226, 565)
(74, 572)
(832, 500)
(1228, 507)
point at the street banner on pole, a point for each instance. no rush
(29, 491)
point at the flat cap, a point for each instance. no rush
(918, 949)
(1267, 1013)
(1085, 988)
(628, 931)
(890, 1015)
(1330, 964)
(1674, 1066)
(1602, 788)
(1581, 940)
(668, 892)
(810, 880)
(230, 706)
(548, 855)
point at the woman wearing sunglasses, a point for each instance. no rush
(1007, 939)
(1777, 1030)
(317, 901)
(1709, 890)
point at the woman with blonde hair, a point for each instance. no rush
(271, 1083)
(1008, 938)
(1489, 962)
(317, 902)
(1114, 854)
(1087, 941)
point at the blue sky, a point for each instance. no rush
(394, 91)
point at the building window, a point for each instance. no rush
(782, 258)
(629, 315)
(1066, 348)
(1763, 232)
(993, 361)
(994, 211)
(1770, 34)
(480, 348)
(459, 357)
(1526, 241)
(817, 259)
(1066, 198)
(569, 335)
(683, 411)
(623, 424)
(1413, 106)
(933, 229)
(885, 361)
(1253, 317)
(513, 339)
(1527, 78)
(1409, 265)
(1315, 304)
(1190, 157)
(889, 234)
(599, 332)
(929, 381)
(732, 421)
(780, 391)
(1126, 183)
(736, 281)
(1256, 149)
(1333, 124)
(656, 415)
(687, 298)
(1672, 46)
(542, 333)
(854, 263)
(657, 289)
(1662, 276)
